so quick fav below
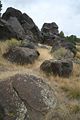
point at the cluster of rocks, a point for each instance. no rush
(16, 24)
(19, 25)
(26, 97)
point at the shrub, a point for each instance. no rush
(60, 53)
(5, 45)
(61, 34)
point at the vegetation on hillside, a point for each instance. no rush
(71, 38)
(5, 45)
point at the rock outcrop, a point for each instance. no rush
(25, 97)
(16, 26)
(25, 23)
(61, 42)
(6, 31)
(52, 37)
(49, 32)
(62, 68)
(27, 43)
(21, 55)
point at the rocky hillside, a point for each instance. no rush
(39, 71)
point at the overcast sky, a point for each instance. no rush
(66, 13)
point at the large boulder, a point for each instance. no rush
(26, 22)
(11, 106)
(6, 31)
(61, 42)
(26, 97)
(30, 28)
(16, 26)
(62, 68)
(11, 12)
(29, 44)
(49, 32)
(21, 55)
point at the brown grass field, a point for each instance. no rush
(67, 90)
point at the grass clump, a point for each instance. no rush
(5, 45)
(60, 53)
(72, 90)
(78, 47)
(74, 107)
(78, 55)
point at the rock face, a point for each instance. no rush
(16, 26)
(21, 55)
(49, 32)
(11, 106)
(25, 97)
(24, 21)
(27, 43)
(51, 37)
(60, 42)
(6, 31)
(63, 53)
(61, 68)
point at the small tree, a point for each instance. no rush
(0, 8)
(61, 34)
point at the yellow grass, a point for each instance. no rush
(66, 89)
(78, 47)
(4, 45)
(78, 55)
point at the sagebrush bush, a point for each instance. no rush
(60, 53)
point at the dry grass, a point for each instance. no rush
(78, 51)
(78, 55)
(60, 53)
(72, 89)
(29, 69)
(74, 107)
(78, 47)
(4, 46)
(67, 90)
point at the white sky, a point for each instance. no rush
(66, 13)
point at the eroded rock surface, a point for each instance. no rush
(61, 68)
(27, 24)
(6, 31)
(21, 55)
(61, 42)
(49, 32)
(26, 97)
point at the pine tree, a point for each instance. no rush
(0, 7)
(61, 34)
